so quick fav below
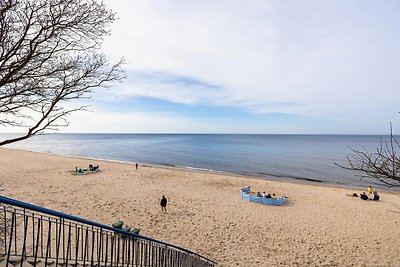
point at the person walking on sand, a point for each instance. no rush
(163, 204)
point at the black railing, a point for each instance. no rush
(35, 235)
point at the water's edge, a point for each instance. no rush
(300, 180)
(297, 158)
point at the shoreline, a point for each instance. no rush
(318, 225)
(306, 181)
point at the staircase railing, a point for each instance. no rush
(36, 235)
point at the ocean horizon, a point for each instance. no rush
(290, 157)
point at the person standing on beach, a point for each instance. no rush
(163, 204)
(137, 165)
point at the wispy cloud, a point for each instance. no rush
(166, 86)
(332, 60)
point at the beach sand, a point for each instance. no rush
(318, 226)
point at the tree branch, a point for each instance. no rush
(48, 56)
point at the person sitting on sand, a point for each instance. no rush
(268, 195)
(273, 196)
(370, 191)
(263, 194)
(258, 194)
(364, 196)
(376, 196)
(90, 167)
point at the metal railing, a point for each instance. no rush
(35, 235)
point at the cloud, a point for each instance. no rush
(334, 60)
(166, 86)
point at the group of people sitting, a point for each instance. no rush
(265, 195)
(91, 168)
(372, 195)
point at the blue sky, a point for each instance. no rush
(251, 67)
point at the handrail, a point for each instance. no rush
(25, 205)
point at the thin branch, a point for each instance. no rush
(48, 56)
(382, 165)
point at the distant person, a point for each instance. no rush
(163, 204)
(137, 165)
(370, 191)
(268, 195)
(258, 194)
(76, 169)
(263, 194)
(364, 196)
(355, 195)
(90, 167)
(273, 196)
(376, 196)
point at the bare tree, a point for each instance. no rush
(49, 57)
(382, 165)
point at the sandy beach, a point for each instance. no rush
(318, 226)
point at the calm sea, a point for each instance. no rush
(299, 157)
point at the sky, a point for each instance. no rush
(270, 67)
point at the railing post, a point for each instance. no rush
(92, 260)
(64, 241)
(33, 231)
(77, 230)
(13, 221)
(134, 251)
(15, 233)
(123, 251)
(23, 257)
(128, 251)
(48, 247)
(5, 230)
(112, 250)
(118, 248)
(85, 246)
(68, 244)
(106, 251)
(58, 239)
(37, 242)
(41, 237)
(99, 246)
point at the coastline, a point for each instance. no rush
(266, 177)
(290, 157)
(318, 226)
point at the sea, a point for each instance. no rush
(304, 158)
